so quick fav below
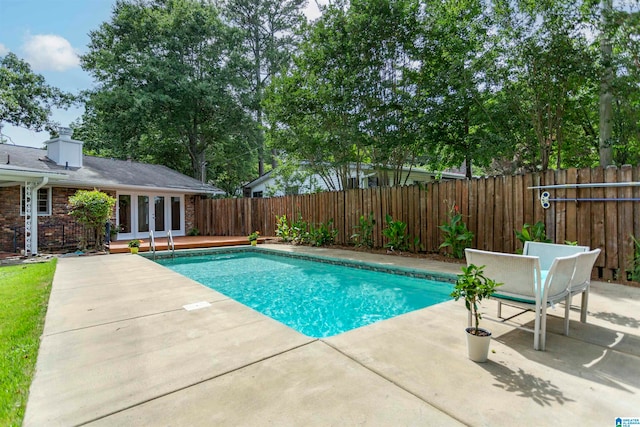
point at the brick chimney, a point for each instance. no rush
(64, 150)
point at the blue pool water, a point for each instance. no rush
(315, 298)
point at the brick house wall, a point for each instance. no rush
(189, 212)
(58, 231)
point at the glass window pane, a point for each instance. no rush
(143, 213)
(43, 201)
(124, 213)
(159, 212)
(176, 218)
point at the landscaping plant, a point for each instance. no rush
(322, 234)
(300, 231)
(535, 233)
(633, 273)
(24, 293)
(457, 236)
(364, 235)
(92, 209)
(283, 230)
(396, 234)
(473, 287)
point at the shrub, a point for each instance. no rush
(633, 273)
(92, 209)
(283, 230)
(323, 234)
(535, 233)
(364, 235)
(300, 231)
(396, 234)
(457, 236)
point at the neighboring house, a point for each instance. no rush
(270, 184)
(35, 186)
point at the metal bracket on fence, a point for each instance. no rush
(545, 197)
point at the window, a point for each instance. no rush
(257, 194)
(43, 202)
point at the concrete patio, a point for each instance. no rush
(119, 349)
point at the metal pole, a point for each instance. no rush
(590, 185)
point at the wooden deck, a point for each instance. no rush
(183, 242)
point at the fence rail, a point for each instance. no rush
(493, 208)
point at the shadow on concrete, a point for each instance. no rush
(541, 391)
(592, 352)
(617, 319)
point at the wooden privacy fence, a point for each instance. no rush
(493, 208)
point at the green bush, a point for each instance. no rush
(535, 233)
(322, 235)
(283, 230)
(457, 236)
(396, 234)
(364, 235)
(633, 273)
(92, 209)
(300, 231)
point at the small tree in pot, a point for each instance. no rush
(473, 286)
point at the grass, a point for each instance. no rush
(24, 294)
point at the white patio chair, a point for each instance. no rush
(580, 284)
(547, 252)
(522, 284)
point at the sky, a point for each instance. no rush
(49, 35)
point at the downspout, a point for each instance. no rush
(34, 215)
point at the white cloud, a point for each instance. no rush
(50, 52)
(3, 50)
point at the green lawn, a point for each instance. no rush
(24, 294)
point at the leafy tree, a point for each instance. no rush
(292, 177)
(268, 29)
(25, 98)
(504, 86)
(454, 85)
(347, 99)
(92, 209)
(313, 104)
(168, 86)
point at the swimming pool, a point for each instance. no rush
(318, 299)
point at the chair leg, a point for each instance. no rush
(543, 328)
(536, 332)
(567, 311)
(583, 307)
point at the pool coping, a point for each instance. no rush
(364, 265)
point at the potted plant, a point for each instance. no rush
(473, 286)
(134, 246)
(253, 238)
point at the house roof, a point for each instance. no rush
(367, 167)
(20, 162)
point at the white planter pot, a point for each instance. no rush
(478, 346)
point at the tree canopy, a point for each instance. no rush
(168, 86)
(25, 98)
(503, 86)
(499, 86)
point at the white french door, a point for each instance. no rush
(140, 213)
